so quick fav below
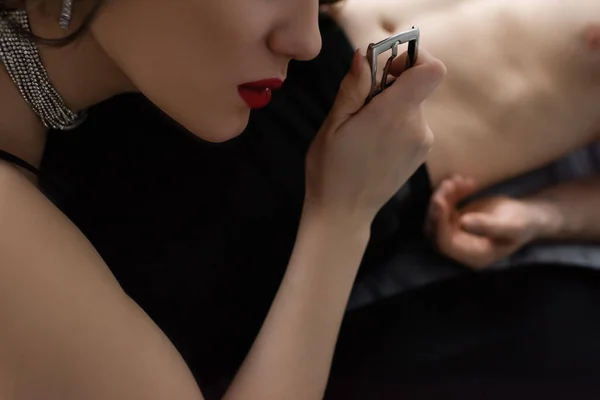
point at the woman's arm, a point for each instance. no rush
(296, 342)
(70, 332)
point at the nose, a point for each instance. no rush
(297, 35)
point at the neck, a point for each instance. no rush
(81, 72)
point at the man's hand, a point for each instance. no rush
(482, 232)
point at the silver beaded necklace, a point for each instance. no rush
(21, 59)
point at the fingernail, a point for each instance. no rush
(356, 66)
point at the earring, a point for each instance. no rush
(66, 13)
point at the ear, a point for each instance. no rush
(592, 37)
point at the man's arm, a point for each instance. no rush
(569, 211)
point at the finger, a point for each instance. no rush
(414, 85)
(438, 225)
(441, 224)
(433, 216)
(487, 225)
(398, 66)
(476, 252)
(440, 198)
(433, 210)
(353, 91)
(463, 188)
(448, 191)
(445, 188)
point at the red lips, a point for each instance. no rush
(258, 94)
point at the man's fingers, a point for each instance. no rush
(442, 192)
(487, 225)
(459, 189)
(438, 225)
(454, 190)
(476, 252)
(439, 221)
(434, 213)
(439, 200)
(466, 248)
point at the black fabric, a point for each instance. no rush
(530, 333)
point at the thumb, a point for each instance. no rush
(414, 85)
(486, 225)
(353, 92)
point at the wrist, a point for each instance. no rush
(547, 219)
(328, 244)
(337, 221)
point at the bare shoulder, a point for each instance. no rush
(34, 231)
(14, 186)
(64, 317)
(17, 193)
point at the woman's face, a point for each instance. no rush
(195, 59)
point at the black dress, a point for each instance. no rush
(199, 235)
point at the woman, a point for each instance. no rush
(71, 332)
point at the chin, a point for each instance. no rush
(221, 130)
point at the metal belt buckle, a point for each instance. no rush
(375, 49)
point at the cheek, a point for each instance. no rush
(201, 98)
(171, 57)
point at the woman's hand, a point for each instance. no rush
(363, 155)
(482, 232)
